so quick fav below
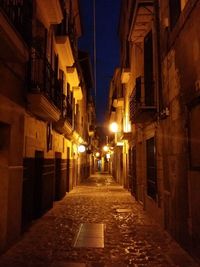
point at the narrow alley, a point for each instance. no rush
(116, 233)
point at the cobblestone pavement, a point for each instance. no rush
(131, 237)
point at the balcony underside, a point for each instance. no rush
(52, 10)
(77, 138)
(42, 107)
(78, 95)
(125, 76)
(112, 116)
(144, 114)
(91, 133)
(142, 18)
(73, 77)
(118, 102)
(63, 46)
(63, 127)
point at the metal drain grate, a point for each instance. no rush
(90, 235)
(123, 210)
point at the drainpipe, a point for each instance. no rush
(159, 70)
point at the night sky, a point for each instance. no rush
(107, 45)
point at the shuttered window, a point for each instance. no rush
(174, 11)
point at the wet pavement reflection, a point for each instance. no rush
(131, 238)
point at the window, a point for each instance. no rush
(127, 64)
(148, 69)
(151, 168)
(63, 27)
(134, 177)
(61, 79)
(49, 137)
(56, 64)
(69, 94)
(174, 11)
(40, 39)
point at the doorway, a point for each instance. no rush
(58, 156)
(134, 177)
(38, 184)
(4, 180)
(68, 183)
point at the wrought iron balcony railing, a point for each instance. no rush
(62, 29)
(91, 128)
(67, 111)
(66, 28)
(142, 103)
(77, 126)
(43, 80)
(57, 92)
(19, 13)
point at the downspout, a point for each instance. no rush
(159, 82)
(159, 69)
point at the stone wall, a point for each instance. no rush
(11, 169)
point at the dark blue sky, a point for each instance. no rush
(107, 45)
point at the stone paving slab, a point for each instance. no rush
(90, 235)
(131, 239)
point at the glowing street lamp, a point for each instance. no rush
(105, 148)
(113, 127)
(97, 154)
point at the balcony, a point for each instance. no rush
(63, 42)
(142, 18)
(15, 21)
(142, 103)
(77, 91)
(118, 102)
(52, 10)
(77, 123)
(125, 76)
(44, 96)
(73, 76)
(63, 46)
(64, 125)
(112, 113)
(91, 130)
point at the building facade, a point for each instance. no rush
(44, 98)
(160, 80)
(180, 135)
(116, 107)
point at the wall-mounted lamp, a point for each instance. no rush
(105, 148)
(97, 154)
(81, 148)
(120, 143)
